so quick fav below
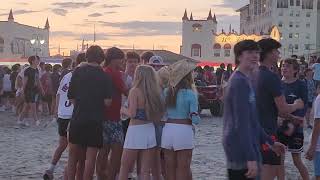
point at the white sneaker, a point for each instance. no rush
(26, 124)
(20, 122)
(38, 123)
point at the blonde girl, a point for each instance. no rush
(145, 107)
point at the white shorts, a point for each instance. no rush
(140, 137)
(177, 137)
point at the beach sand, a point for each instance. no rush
(25, 153)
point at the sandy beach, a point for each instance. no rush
(25, 153)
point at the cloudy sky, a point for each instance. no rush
(123, 23)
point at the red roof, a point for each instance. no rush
(212, 64)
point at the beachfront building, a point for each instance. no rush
(201, 41)
(20, 41)
(297, 20)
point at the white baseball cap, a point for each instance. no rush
(156, 60)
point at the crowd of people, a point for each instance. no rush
(120, 113)
(265, 112)
(112, 109)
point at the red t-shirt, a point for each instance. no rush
(112, 112)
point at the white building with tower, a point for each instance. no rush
(297, 20)
(201, 41)
(20, 41)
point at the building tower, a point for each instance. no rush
(198, 36)
(10, 18)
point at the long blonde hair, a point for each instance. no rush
(147, 81)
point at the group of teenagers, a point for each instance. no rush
(121, 113)
(264, 113)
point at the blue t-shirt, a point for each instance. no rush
(268, 86)
(316, 70)
(294, 91)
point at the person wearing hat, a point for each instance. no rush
(242, 133)
(270, 103)
(182, 112)
(156, 62)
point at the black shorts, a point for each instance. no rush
(7, 94)
(268, 156)
(125, 125)
(47, 98)
(88, 134)
(31, 97)
(293, 142)
(238, 174)
(310, 105)
(63, 126)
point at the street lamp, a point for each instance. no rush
(37, 41)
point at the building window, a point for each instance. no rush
(291, 47)
(280, 24)
(291, 2)
(216, 50)
(296, 46)
(291, 24)
(291, 13)
(298, 3)
(297, 35)
(281, 13)
(307, 46)
(298, 14)
(282, 4)
(308, 25)
(308, 14)
(197, 27)
(308, 36)
(196, 50)
(290, 36)
(307, 4)
(297, 24)
(227, 50)
(1, 44)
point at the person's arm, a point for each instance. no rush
(275, 88)
(107, 90)
(72, 87)
(315, 132)
(121, 86)
(239, 92)
(194, 108)
(131, 110)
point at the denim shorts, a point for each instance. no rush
(112, 133)
(316, 163)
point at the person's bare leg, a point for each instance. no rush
(63, 143)
(300, 166)
(269, 172)
(128, 159)
(156, 165)
(65, 173)
(23, 113)
(115, 161)
(90, 163)
(184, 158)
(170, 163)
(81, 164)
(281, 173)
(147, 161)
(72, 160)
(163, 164)
(102, 162)
(308, 117)
(34, 113)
